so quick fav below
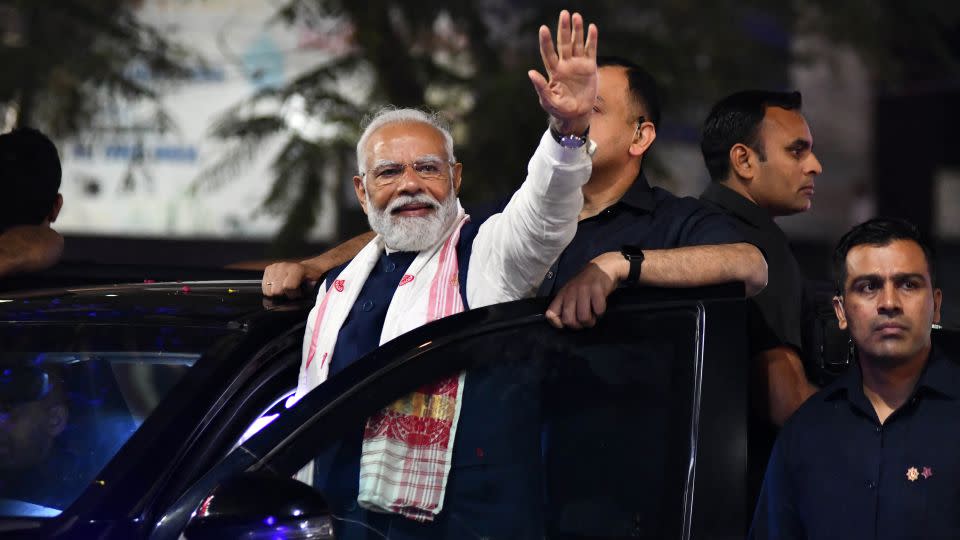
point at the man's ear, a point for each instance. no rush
(642, 139)
(457, 177)
(742, 161)
(937, 300)
(361, 192)
(841, 314)
(55, 211)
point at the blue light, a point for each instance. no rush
(256, 426)
(270, 521)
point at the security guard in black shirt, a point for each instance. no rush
(875, 454)
(759, 152)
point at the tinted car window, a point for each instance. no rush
(70, 397)
(559, 433)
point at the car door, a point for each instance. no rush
(633, 428)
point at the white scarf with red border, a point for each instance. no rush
(407, 446)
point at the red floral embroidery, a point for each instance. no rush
(338, 285)
(406, 279)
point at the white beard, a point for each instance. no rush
(412, 233)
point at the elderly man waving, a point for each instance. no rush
(429, 260)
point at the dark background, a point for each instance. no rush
(884, 128)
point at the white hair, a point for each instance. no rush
(394, 115)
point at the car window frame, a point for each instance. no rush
(240, 404)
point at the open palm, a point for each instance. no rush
(571, 91)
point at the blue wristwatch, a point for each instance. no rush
(570, 141)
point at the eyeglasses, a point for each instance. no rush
(387, 173)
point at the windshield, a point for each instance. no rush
(67, 406)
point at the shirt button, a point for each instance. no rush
(391, 267)
(871, 484)
(550, 274)
(879, 429)
(367, 305)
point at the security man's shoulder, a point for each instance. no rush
(810, 416)
(666, 201)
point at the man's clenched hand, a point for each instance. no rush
(286, 279)
(584, 298)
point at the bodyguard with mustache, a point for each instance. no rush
(429, 260)
(875, 455)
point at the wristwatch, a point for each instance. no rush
(570, 141)
(575, 141)
(633, 255)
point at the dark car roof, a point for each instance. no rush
(208, 303)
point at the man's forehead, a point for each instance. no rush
(612, 85)
(789, 124)
(896, 257)
(611, 76)
(406, 137)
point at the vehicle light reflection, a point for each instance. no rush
(256, 426)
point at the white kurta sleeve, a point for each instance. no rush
(514, 249)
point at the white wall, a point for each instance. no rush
(105, 194)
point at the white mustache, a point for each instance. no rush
(404, 200)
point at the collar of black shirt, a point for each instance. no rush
(738, 205)
(940, 377)
(639, 195)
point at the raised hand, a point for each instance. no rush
(571, 91)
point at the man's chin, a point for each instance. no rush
(799, 208)
(401, 221)
(412, 233)
(892, 352)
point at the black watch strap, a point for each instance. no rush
(633, 255)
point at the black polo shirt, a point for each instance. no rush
(836, 472)
(775, 315)
(649, 217)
